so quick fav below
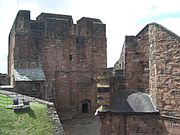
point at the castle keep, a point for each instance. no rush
(53, 59)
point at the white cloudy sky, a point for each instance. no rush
(122, 17)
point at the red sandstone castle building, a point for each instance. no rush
(53, 59)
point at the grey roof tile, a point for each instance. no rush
(29, 74)
(128, 101)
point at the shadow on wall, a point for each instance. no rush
(149, 124)
(157, 126)
(172, 124)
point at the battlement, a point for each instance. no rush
(58, 17)
(23, 15)
(20, 23)
(87, 19)
(55, 26)
(91, 26)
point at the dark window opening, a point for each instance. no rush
(85, 108)
(103, 89)
(77, 41)
(70, 57)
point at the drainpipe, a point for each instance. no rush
(125, 132)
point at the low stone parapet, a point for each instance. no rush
(51, 109)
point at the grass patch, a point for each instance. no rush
(4, 100)
(34, 122)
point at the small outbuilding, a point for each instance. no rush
(132, 112)
(29, 81)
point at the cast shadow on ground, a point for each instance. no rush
(28, 111)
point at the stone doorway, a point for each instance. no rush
(86, 105)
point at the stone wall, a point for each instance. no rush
(172, 124)
(69, 54)
(165, 70)
(152, 60)
(77, 56)
(23, 42)
(4, 79)
(152, 65)
(131, 124)
(33, 88)
(133, 62)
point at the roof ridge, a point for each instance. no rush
(161, 27)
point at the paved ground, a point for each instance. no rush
(85, 125)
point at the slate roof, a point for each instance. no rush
(132, 101)
(29, 74)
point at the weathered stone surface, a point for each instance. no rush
(131, 124)
(69, 54)
(4, 79)
(150, 62)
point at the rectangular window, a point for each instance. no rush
(103, 89)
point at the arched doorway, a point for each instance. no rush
(85, 108)
(86, 105)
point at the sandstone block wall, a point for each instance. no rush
(69, 54)
(131, 124)
(4, 79)
(34, 89)
(152, 65)
(165, 69)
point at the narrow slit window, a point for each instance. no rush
(70, 57)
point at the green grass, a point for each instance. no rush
(34, 122)
(4, 100)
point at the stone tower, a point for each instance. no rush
(63, 56)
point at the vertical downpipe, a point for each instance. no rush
(125, 133)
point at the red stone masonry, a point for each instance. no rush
(152, 65)
(69, 54)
